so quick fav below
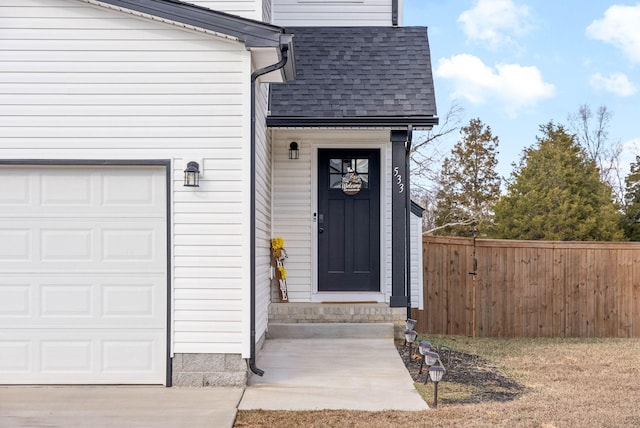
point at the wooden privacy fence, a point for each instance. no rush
(530, 288)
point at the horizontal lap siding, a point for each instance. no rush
(82, 82)
(263, 212)
(251, 9)
(333, 13)
(416, 262)
(292, 214)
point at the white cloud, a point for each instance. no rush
(620, 28)
(495, 21)
(513, 85)
(616, 83)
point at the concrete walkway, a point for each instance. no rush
(311, 374)
(118, 406)
(301, 374)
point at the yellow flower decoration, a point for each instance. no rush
(282, 272)
(277, 243)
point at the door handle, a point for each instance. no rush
(321, 223)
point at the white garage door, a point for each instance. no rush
(83, 276)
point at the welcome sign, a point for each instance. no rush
(351, 183)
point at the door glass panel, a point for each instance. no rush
(335, 166)
(335, 181)
(362, 166)
(340, 168)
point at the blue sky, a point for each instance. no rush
(518, 64)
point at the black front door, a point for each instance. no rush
(348, 220)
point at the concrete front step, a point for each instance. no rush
(335, 312)
(330, 331)
(345, 314)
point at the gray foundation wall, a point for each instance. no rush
(202, 370)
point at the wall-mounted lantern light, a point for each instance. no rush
(192, 175)
(294, 153)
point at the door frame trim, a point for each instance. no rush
(348, 296)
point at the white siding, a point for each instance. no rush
(292, 212)
(251, 9)
(293, 202)
(267, 7)
(263, 212)
(81, 82)
(417, 299)
(334, 13)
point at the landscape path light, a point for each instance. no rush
(410, 324)
(410, 337)
(436, 373)
(430, 358)
(425, 346)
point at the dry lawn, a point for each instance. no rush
(568, 383)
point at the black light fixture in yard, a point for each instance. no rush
(410, 324)
(425, 346)
(436, 373)
(410, 337)
(430, 358)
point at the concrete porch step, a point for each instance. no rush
(298, 320)
(330, 330)
(335, 313)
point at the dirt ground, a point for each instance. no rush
(469, 378)
(506, 383)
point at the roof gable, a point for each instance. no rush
(357, 76)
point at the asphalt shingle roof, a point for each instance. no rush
(355, 72)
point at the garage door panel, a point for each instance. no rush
(83, 275)
(57, 357)
(15, 299)
(16, 189)
(82, 192)
(15, 244)
(82, 302)
(113, 245)
(66, 189)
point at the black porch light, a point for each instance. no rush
(294, 152)
(192, 175)
(436, 373)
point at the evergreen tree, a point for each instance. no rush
(469, 183)
(556, 194)
(632, 202)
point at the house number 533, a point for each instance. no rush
(398, 176)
